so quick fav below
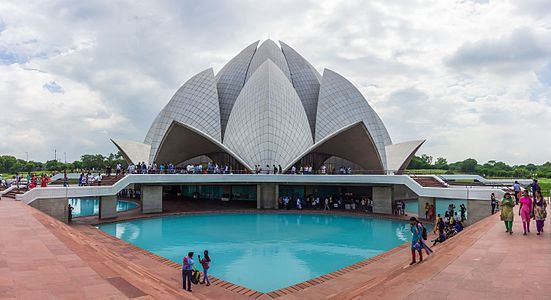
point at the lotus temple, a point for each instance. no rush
(269, 106)
(290, 180)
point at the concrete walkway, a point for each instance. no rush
(485, 264)
(34, 264)
(42, 258)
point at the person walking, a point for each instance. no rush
(507, 215)
(187, 267)
(525, 211)
(493, 202)
(535, 187)
(540, 212)
(517, 189)
(205, 263)
(416, 240)
(326, 204)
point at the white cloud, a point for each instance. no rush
(432, 69)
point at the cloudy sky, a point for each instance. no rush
(472, 77)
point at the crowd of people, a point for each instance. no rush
(532, 207)
(30, 181)
(215, 168)
(327, 203)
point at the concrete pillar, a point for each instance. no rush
(107, 207)
(227, 190)
(421, 202)
(56, 207)
(382, 200)
(152, 199)
(267, 195)
(308, 190)
(477, 210)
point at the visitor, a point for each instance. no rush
(525, 211)
(205, 263)
(424, 238)
(28, 179)
(44, 182)
(457, 218)
(416, 240)
(540, 212)
(458, 226)
(65, 179)
(280, 170)
(187, 267)
(275, 169)
(440, 239)
(493, 202)
(516, 189)
(507, 215)
(535, 187)
(17, 180)
(118, 169)
(108, 170)
(440, 226)
(299, 204)
(431, 212)
(427, 208)
(69, 213)
(326, 204)
(462, 210)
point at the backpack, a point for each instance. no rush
(424, 233)
(195, 277)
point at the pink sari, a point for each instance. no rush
(526, 209)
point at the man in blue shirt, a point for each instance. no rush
(187, 266)
(516, 188)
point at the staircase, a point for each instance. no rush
(11, 194)
(428, 181)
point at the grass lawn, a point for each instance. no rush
(426, 171)
(545, 184)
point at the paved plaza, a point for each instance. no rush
(42, 258)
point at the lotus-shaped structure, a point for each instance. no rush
(269, 106)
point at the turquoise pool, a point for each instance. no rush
(265, 251)
(83, 207)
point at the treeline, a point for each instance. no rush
(491, 168)
(10, 164)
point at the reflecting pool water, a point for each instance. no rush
(265, 251)
(83, 207)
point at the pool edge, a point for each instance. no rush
(254, 293)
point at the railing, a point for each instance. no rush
(176, 179)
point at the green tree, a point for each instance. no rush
(469, 165)
(441, 163)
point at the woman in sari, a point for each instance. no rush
(525, 211)
(540, 211)
(507, 214)
(416, 240)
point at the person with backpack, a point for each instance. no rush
(424, 237)
(416, 240)
(205, 263)
(187, 267)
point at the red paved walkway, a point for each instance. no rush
(41, 258)
(34, 264)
